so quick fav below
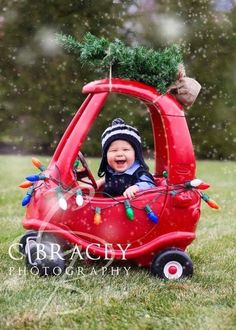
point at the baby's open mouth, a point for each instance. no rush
(120, 162)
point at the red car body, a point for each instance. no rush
(177, 207)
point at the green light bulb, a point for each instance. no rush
(165, 174)
(129, 211)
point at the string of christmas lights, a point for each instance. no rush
(62, 189)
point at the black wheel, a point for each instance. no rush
(30, 234)
(172, 264)
(45, 258)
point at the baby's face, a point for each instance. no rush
(120, 155)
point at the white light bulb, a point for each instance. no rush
(195, 182)
(79, 200)
(62, 203)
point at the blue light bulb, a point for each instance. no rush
(151, 215)
(34, 177)
(28, 196)
(26, 200)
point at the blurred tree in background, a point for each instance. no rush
(40, 85)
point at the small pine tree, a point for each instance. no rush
(156, 68)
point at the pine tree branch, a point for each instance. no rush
(156, 68)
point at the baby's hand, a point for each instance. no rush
(131, 191)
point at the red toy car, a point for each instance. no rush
(154, 229)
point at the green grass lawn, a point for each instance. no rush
(136, 301)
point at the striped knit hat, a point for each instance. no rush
(120, 131)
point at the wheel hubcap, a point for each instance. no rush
(173, 270)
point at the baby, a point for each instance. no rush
(123, 167)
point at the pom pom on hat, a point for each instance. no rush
(117, 121)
